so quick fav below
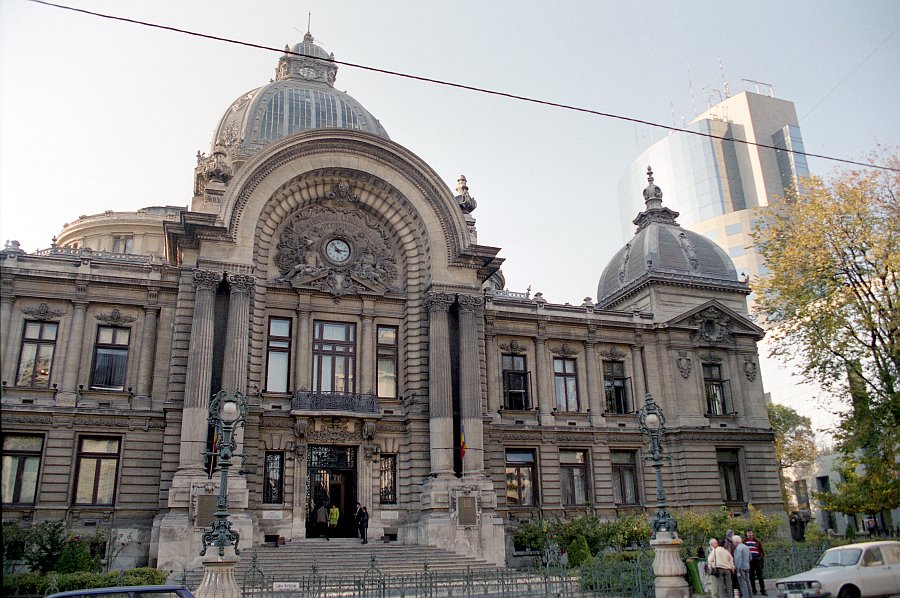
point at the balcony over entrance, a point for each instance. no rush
(334, 403)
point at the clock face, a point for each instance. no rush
(337, 250)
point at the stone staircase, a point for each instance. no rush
(344, 558)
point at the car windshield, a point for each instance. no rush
(839, 557)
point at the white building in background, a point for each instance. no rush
(719, 187)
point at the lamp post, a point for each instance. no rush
(227, 412)
(668, 569)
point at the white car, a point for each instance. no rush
(852, 571)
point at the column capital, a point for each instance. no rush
(241, 283)
(207, 279)
(438, 302)
(469, 303)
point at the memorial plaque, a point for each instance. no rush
(206, 506)
(467, 510)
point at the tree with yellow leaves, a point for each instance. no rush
(832, 296)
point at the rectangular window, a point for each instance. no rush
(520, 478)
(624, 474)
(273, 482)
(36, 356)
(729, 475)
(21, 465)
(802, 493)
(334, 357)
(615, 384)
(110, 358)
(515, 382)
(388, 479)
(122, 244)
(98, 465)
(718, 391)
(566, 384)
(573, 476)
(278, 356)
(387, 362)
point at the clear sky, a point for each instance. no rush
(102, 115)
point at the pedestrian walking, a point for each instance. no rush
(334, 514)
(322, 521)
(742, 566)
(363, 524)
(757, 562)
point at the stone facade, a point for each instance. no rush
(336, 280)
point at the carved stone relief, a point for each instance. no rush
(336, 249)
(564, 350)
(42, 312)
(712, 327)
(750, 369)
(115, 318)
(684, 364)
(512, 346)
(613, 354)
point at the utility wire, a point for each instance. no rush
(462, 86)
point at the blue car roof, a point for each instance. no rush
(120, 589)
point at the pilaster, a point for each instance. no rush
(68, 393)
(470, 385)
(439, 384)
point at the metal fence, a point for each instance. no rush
(619, 579)
(783, 561)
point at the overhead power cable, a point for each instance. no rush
(463, 86)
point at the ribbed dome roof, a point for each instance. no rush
(301, 97)
(661, 249)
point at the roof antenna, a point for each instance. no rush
(724, 80)
(309, 22)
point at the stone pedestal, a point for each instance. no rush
(668, 567)
(218, 575)
(459, 515)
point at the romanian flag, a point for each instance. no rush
(462, 442)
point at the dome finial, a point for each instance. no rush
(652, 194)
(308, 38)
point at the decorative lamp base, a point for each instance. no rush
(668, 568)
(218, 578)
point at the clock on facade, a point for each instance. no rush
(337, 250)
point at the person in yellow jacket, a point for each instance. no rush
(333, 515)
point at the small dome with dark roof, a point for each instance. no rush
(302, 97)
(662, 250)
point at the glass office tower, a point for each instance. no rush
(719, 185)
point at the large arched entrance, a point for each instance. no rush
(331, 480)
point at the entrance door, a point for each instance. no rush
(331, 480)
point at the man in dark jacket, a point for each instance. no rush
(757, 562)
(362, 523)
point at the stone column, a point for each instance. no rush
(302, 351)
(546, 400)
(68, 392)
(237, 335)
(237, 340)
(637, 364)
(439, 385)
(148, 354)
(199, 372)
(595, 392)
(6, 304)
(470, 385)
(493, 372)
(367, 358)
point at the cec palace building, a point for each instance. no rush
(330, 276)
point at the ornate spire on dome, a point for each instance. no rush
(655, 211)
(652, 194)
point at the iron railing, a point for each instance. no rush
(334, 401)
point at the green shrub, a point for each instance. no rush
(76, 557)
(31, 582)
(47, 541)
(144, 576)
(814, 534)
(578, 552)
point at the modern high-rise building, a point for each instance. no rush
(718, 186)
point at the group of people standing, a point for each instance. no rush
(736, 564)
(327, 521)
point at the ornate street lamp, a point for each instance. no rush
(653, 425)
(668, 569)
(227, 412)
